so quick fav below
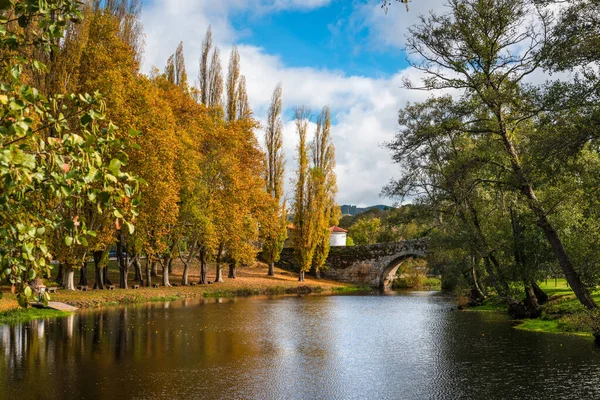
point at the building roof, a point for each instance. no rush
(337, 229)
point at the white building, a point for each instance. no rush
(338, 236)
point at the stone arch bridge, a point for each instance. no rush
(374, 265)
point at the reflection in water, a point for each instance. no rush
(379, 347)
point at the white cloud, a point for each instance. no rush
(364, 109)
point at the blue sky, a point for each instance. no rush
(346, 54)
(320, 38)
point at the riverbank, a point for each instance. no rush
(250, 281)
(562, 313)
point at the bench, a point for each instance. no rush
(174, 284)
(156, 285)
(136, 286)
(110, 287)
(193, 283)
(82, 288)
(52, 289)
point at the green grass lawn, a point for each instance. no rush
(562, 314)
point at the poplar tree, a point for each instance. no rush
(304, 204)
(243, 103)
(175, 68)
(275, 232)
(204, 74)
(215, 80)
(233, 78)
(325, 186)
(180, 72)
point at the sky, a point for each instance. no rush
(347, 54)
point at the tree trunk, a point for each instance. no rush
(501, 288)
(123, 272)
(271, 269)
(541, 296)
(165, 271)
(489, 259)
(318, 274)
(154, 270)
(583, 295)
(106, 279)
(232, 271)
(68, 278)
(184, 277)
(531, 303)
(138, 270)
(203, 271)
(123, 263)
(137, 266)
(83, 275)
(301, 276)
(477, 295)
(219, 274)
(148, 273)
(59, 274)
(171, 266)
(219, 277)
(99, 284)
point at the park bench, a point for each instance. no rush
(52, 289)
(136, 286)
(110, 287)
(82, 288)
(192, 283)
(156, 285)
(174, 284)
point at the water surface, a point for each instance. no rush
(408, 346)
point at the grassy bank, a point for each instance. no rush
(562, 314)
(21, 315)
(249, 281)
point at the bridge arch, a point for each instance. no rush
(389, 271)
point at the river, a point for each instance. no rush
(410, 346)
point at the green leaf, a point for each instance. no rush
(68, 240)
(31, 274)
(83, 240)
(85, 119)
(17, 105)
(130, 227)
(28, 292)
(115, 166)
(22, 301)
(38, 65)
(117, 214)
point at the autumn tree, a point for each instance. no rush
(325, 188)
(304, 232)
(275, 229)
(233, 78)
(204, 78)
(215, 80)
(175, 69)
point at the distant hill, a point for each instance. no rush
(353, 210)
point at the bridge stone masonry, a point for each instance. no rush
(373, 265)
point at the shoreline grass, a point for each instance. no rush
(562, 314)
(21, 315)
